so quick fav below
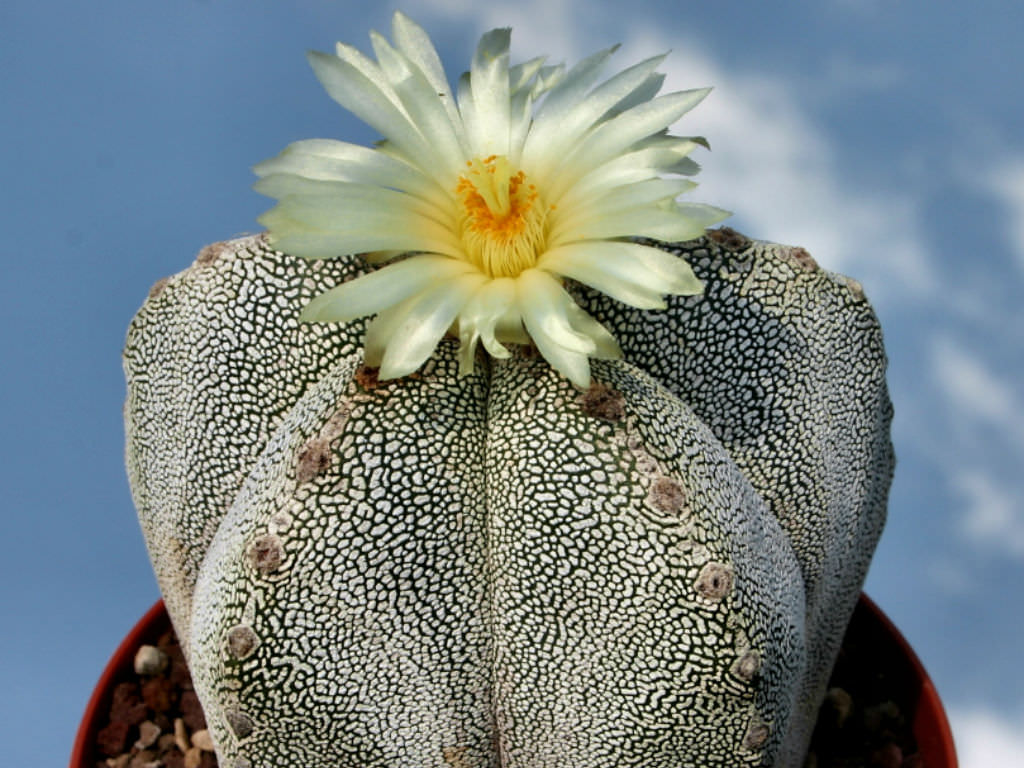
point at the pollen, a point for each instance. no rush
(502, 217)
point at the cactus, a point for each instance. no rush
(498, 569)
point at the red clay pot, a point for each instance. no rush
(870, 628)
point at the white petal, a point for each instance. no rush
(414, 42)
(486, 113)
(614, 202)
(543, 304)
(420, 323)
(354, 224)
(329, 160)
(364, 98)
(482, 313)
(646, 91)
(554, 133)
(617, 135)
(521, 77)
(606, 347)
(630, 168)
(634, 274)
(571, 362)
(424, 106)
(334, 202)
(369, 69)
(383, 288)
(572, 88)
(656, 224)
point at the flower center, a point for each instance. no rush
(502, 219)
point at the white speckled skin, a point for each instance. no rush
(498, 570)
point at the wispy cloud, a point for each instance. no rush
(771, 164)
(985, 739)
(991, 514)
(780, 172)
(982, 416)
(976, 392)
(1006, 183)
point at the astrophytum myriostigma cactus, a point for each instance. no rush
(499, 569)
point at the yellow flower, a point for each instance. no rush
(530, 175)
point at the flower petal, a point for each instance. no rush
(424, 106)
(606, 347)
(329, 160)
(617, 202)
(418, 324)
(413, 41)
(548, 324)
(542, 302)
(367, 100)
(486, 111)
(619, 133)
(383, 288)
(634, 274)
(353, 220)
(554, 132)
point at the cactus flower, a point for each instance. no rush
(528, 176)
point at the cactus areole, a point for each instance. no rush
(517, 519)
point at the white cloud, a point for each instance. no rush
(985, 739)
(983, 427)
(771, 164)
(991, 513)
(1006, 182)
(781, 174)
(976, 391)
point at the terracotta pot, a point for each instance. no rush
(120, 667)
(903, 673)
(869, 629)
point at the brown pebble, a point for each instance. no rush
(888, 756)
(112, 739)
(179, 674)
(166, 742)
(181, 735)
(144, 759)
(173, 759)
(121, 761)
(126, 705)
(193, 757)
(192, 712)
(203, 740)
(838, 705)
(148, 734)
(150, 660)
(158, 693)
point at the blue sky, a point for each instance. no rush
(886, 137)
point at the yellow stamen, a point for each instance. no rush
(502, 217)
